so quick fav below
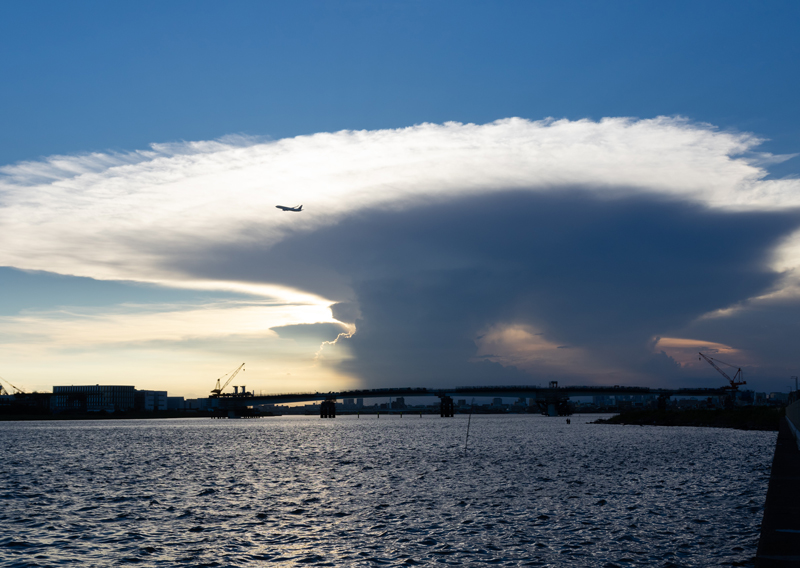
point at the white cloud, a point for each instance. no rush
(127, 216)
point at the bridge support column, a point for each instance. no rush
(327, 409)
(554, 406)
(447, 407)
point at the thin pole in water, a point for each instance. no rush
(466, 440)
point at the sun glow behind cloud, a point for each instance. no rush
(685, 351)
(202, 337)
(526, 348)
(139, 216)
(131, 324)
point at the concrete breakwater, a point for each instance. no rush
(779, 545)
(743, 418)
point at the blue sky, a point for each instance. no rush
(93, 76)
(115, 240)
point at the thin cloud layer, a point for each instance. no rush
(566, 248)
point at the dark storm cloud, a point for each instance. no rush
(605, 276)
(316, 332)
(768, 328)
(346, 312)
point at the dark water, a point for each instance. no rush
(532, 491)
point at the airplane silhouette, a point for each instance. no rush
(296, 208)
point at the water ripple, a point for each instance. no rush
(532, 491)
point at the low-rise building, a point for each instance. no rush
(197, 404)
(93, 398)
(779, 397)
(603, 401)
(151, 401)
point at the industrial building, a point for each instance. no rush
(93, 398)
(151, 401)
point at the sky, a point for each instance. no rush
(494, 193)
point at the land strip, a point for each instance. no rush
(779, 546)
(742, 418)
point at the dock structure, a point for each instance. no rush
(551, 400)
(779, 545)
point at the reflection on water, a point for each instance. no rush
(532, 491)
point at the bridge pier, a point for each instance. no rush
(555, 407)
(327, 409)
(447, 407)
(552, 402)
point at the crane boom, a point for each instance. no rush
(734, 383)
(16, 388)
(218, 389)
(711, 362)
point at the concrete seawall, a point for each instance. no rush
(779, 545)
(793, 416)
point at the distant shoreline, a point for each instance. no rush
(22, 416)
(764, 418)
(129, 415)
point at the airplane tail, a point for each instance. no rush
(301, 208)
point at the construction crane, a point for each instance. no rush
(216, 391)
(19, 390)
(733, 381)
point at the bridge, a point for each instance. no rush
(551, 400)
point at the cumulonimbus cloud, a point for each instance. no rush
(425, 231)
(128, 216)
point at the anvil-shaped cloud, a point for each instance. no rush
(512, 251)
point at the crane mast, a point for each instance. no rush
(216, 391)
(734, 383)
